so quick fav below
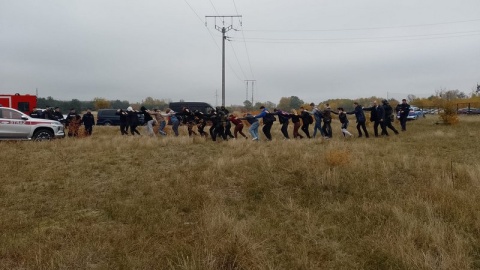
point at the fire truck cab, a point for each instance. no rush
(23, 103)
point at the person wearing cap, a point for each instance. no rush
(360, 115)
(404, 110)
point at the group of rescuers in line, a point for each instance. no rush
(220, 121)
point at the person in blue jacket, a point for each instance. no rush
(268, 120)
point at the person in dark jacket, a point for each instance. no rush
(253, 126)
(57, 114)
(268, 120)
(361, 119)
(342, 116)
(148, 120)
(132, 120)
(201, 121)
(327, 121)
(305, 115)
(88, 121)
(48, 113)
(404, 110)
(284, 119)
(189, 119)
(296, 124)
(377, 116)
(228, 124)
(123, 121)
(388, 118)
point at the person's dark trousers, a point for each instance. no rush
(305, 129)
(88, 130)
(375, 127)
(228, 131)
(220, 132)
(362, 125)
(284, 130)
(327, 129)
(133, 129)
(403, 123)
(388, 124)
(213, 133)
(124, 128)
(384, 128)
(266, 130)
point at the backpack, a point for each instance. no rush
(269, 118)
(310, 119)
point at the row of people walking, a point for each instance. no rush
(220, 121)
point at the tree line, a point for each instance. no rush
(437, 100)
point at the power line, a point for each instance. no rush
(236, 57)
(352, 40)
(245, 43)
(365, 28)
(363, 38)
(213, 38)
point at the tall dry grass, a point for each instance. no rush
(110, 202)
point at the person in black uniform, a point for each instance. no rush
(88, 121)
(404, 110)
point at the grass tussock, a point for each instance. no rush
(403, 202)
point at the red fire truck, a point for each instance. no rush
(23, 103)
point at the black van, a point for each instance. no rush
(108, 117)
(193, 106)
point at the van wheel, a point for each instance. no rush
(42, 135)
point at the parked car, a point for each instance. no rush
(108, 117)
(414, 113)
(15, 125)
(202, 107)
(468, 111)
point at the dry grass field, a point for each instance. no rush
(109, 202)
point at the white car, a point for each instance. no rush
(15, 125)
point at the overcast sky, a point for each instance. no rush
(313, 49)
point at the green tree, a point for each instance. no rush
(101, 103)
(247, 104)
